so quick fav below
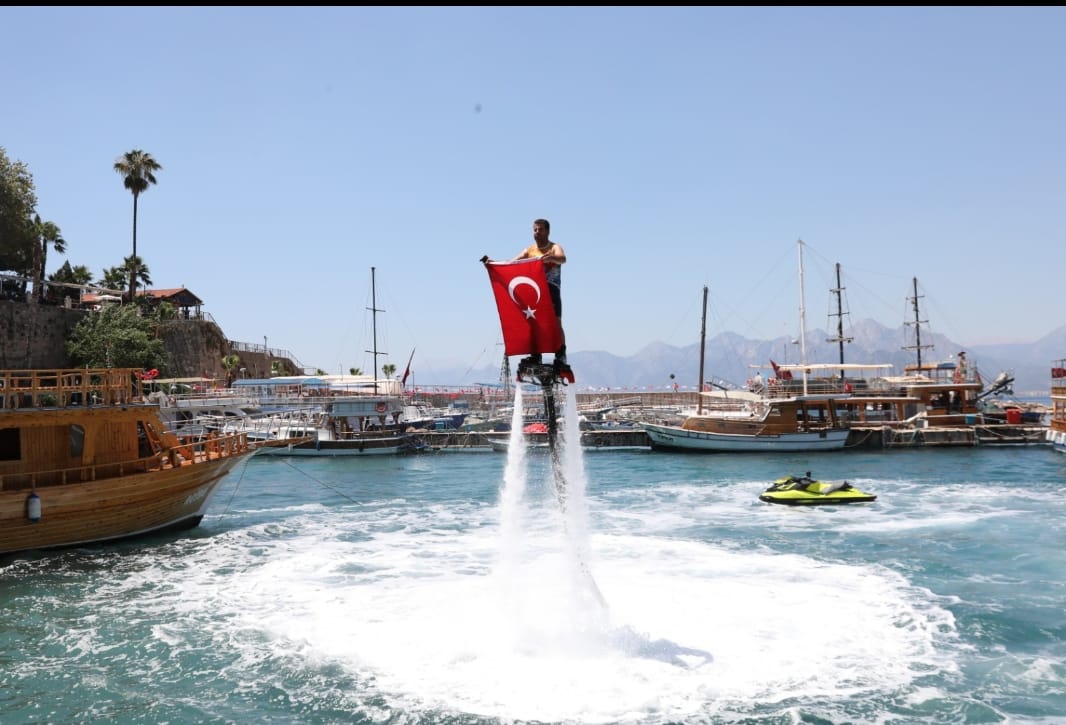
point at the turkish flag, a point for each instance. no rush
(527, 315)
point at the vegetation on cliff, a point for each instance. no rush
(117, 336)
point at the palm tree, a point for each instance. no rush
(355, 371)
(114, 278)
(137, 169)
(388, 369)
(135, 267)
(44, 233)
(230, 363)
(79, 274)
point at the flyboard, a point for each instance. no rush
(530, 327)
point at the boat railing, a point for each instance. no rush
(62, 388)
(175, 456)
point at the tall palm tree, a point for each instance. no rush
(44, 233)
(137, 169)
(388, 369)
(137, 270)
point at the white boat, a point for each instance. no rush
(1056, 432)
(366, 422)
(188, 402)
(352, 426)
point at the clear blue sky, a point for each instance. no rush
(670, 148)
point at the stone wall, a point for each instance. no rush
(32, 337)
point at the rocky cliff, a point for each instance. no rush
(32, 337)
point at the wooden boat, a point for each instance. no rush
(778, 421)
(83, 459)
(798, 423)
(1056, 432)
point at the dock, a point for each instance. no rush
(874, 437)
(477, 441)
(860, 438)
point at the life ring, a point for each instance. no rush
(380, 407)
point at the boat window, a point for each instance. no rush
(10, 444)
(77, 441)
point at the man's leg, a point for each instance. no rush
(557, 303)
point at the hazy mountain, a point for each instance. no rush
(730, 358)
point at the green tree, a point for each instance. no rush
(117, 336)
(230, 363)
(45, 233)
(166, 311)
(137, 270)
(114, 278)
(137, 169)
(72, 275)
(18, 200)
(388, 369)
(355, 371)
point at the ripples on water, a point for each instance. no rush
(410, 589)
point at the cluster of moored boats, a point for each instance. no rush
(87, 455)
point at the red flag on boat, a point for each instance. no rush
(407, 370)
(779, 373)
(527, 315)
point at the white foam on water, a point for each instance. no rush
(689, 627)
(496, 610)
(503, 621)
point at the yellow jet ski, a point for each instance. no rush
(805, 491)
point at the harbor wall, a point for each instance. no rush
(34, 336)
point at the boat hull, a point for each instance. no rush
(1057, 439)
(363, 446)
(675, 438)
(110, 509)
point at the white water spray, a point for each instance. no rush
(585, 607)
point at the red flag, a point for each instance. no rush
(407, 371)
(779, 373)
(527, 315)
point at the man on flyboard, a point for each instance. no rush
(537, 336)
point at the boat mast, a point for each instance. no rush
(917, 346)
(374, 326)
(803, 318)
(505, 376)
(839, 339)
(703, 351)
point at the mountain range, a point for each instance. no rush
(731, 359)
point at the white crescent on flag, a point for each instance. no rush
(530, 312)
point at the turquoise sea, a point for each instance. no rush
(453, 588)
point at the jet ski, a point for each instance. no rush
(805, 491)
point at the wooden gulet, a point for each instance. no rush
(84, 459)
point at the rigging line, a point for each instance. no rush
(233, 494)
(322, 483)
